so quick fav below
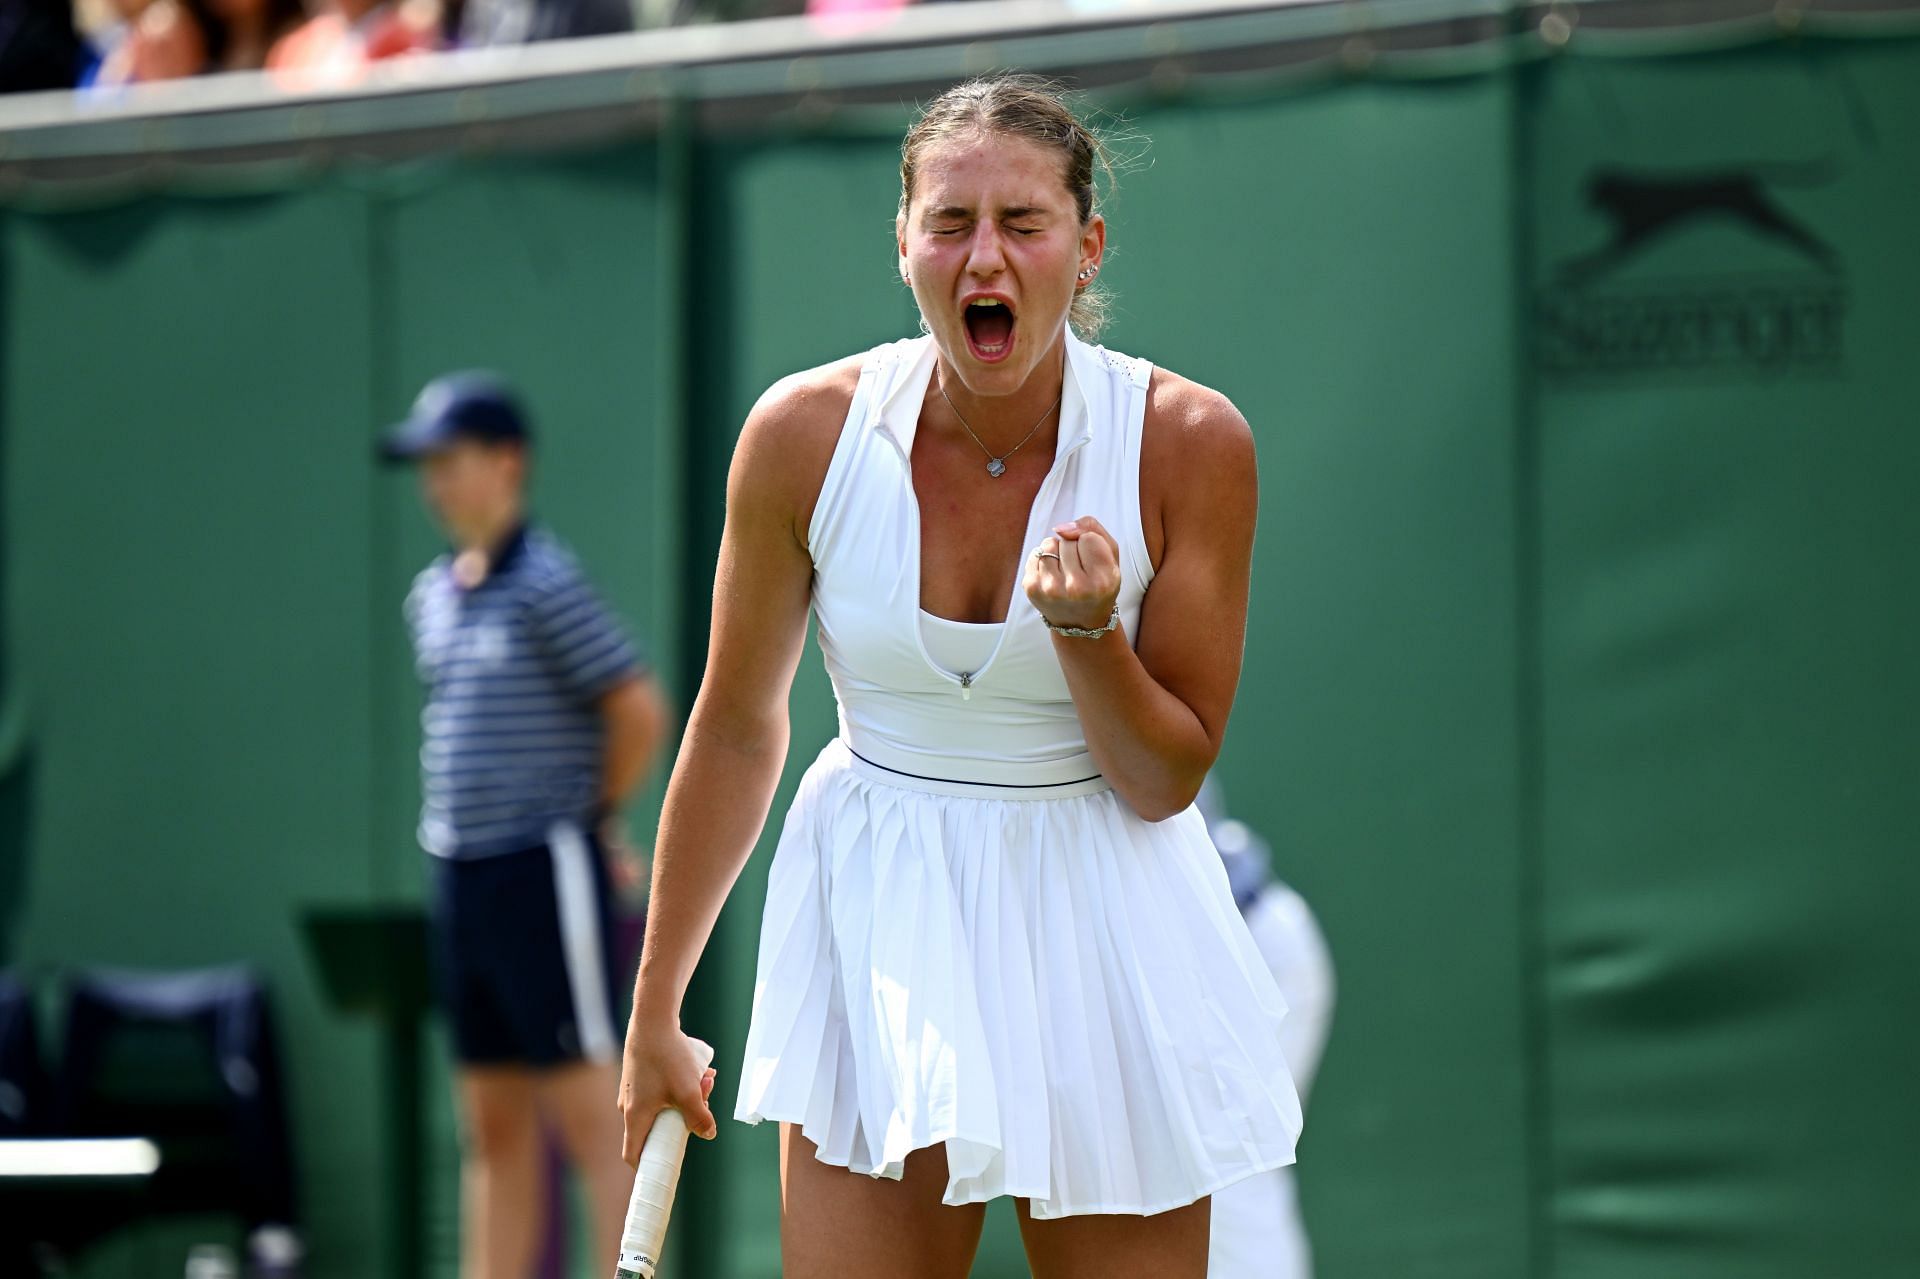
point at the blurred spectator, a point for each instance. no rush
(248, 29)
(541, 718)
(149, 40)
(38, 46)
(498, 22)
(844, 17)
(104, 26)
(161, 40)
(335, 47)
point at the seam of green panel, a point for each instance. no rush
(1529, 690)
(379, 536)
(674, 439)
(699, 1243)
(12, 722)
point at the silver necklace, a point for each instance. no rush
(997, 466)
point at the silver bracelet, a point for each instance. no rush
(1082, 632)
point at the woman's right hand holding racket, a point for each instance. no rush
(662, 1068)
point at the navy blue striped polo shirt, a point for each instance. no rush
(514, 668)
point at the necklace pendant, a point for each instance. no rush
(996, 468)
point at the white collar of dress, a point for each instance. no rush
(898, 413)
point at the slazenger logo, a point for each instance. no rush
(1596, 319)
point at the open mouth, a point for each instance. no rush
(989, 328)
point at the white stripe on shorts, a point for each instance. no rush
(580, 942)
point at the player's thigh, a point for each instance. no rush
(836, 1224)
(499, 1109)
(1167, 1245)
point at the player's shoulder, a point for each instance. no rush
(1188, 419)
(1196, 461)
(788, 439)
(803, 409)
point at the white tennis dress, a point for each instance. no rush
(969, 938)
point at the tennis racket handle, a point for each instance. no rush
(653, 1187)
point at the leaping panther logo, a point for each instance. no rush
(1643, 207)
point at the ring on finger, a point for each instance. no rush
(1047, 555)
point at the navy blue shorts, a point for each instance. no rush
(524, 955)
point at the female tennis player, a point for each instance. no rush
(999, 955)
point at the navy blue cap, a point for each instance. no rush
(458, 406)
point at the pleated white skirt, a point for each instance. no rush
(1061, 993)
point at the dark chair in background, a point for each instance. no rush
(23, 1080)
(22, 1102)
(188, 1060)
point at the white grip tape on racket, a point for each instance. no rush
(653, 1187)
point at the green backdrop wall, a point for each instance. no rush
(1722, 729)
(1579, 697)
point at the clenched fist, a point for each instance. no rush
(1073, 576)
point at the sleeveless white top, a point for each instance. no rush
(969, 938)
(1006, 719)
